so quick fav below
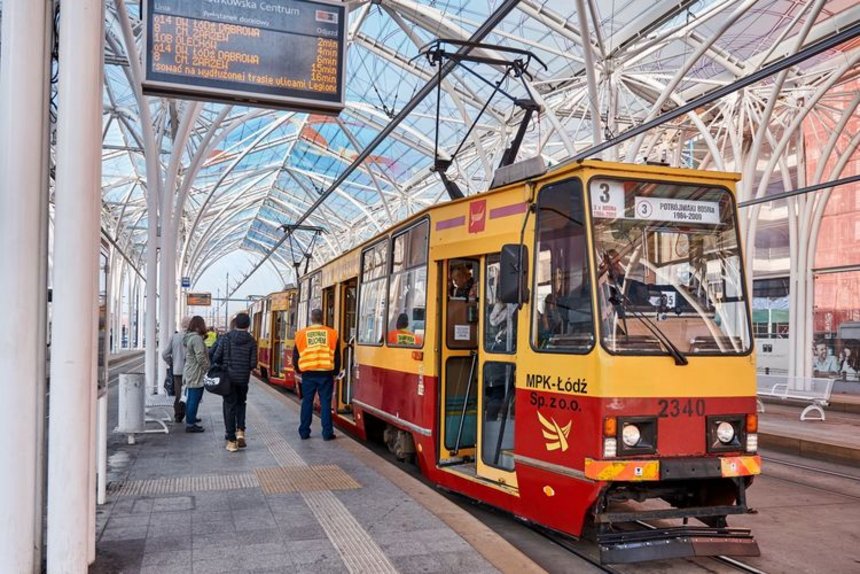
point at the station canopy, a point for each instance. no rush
(245, 173)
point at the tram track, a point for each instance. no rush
(733, 563)
(822, 472)
(817, 470)
(588, 554)
(567, 544)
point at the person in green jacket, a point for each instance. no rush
(196, 366)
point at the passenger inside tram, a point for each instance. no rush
(463, 282)
(402, 334)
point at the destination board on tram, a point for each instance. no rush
(275, 53)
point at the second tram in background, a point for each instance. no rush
(273, 324)
(573, 347)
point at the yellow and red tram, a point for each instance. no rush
(574, 347)
(273, 324)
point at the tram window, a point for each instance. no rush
(500, 326)
(371, 301)
(562, 319)
(315, 293)
(291, 325)
(291, 321)
(408, 287)
(304, 295)
(681, 269)
(266, 327)
(462, 315)
(497, 436)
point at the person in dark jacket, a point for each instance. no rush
(237, 350)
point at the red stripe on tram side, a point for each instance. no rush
(451, 223)
(508, 210)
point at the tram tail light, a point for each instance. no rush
(752, 423)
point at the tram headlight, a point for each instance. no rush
(725, 432)
(637, 435)
(630, 435)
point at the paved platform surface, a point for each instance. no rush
(181, 503)
(836, 439)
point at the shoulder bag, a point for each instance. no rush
(217, 380)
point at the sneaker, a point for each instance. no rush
(240, 439)
(232, 446)
(194, 428)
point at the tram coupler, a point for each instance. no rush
(675, 542)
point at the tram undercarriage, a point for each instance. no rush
(626, 531)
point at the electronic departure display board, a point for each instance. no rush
(198, 299)
(275, 53)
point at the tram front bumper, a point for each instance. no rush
(619, 470)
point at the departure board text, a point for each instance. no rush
(287, 53)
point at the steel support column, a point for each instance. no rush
(75, 310)
(24, 82)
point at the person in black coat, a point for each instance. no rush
(237, 350)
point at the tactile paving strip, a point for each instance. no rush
(304, 479)
(280, 449)
(357, 549)
(183, 484)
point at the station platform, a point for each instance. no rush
(181, 503)
(836, 439)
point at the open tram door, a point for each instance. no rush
(344, 385)
(477, 372)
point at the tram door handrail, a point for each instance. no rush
(472, 366)
(350, 345)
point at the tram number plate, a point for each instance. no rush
(676, 408)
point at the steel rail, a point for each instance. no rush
(728, 560)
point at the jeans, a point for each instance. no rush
(194, 397)
(178, 405)
(234, 410)
(312, 383)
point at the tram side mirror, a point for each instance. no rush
(513, 274)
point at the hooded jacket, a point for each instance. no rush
(196, 361)
(237, 350)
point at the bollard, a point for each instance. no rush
(132, 397)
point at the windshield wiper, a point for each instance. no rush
(619, 302)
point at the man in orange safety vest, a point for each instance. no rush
(316, 357)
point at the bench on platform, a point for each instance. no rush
(815, 391)
(159, 410)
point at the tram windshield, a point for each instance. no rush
(668, 260)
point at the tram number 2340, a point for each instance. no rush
(677, 408)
